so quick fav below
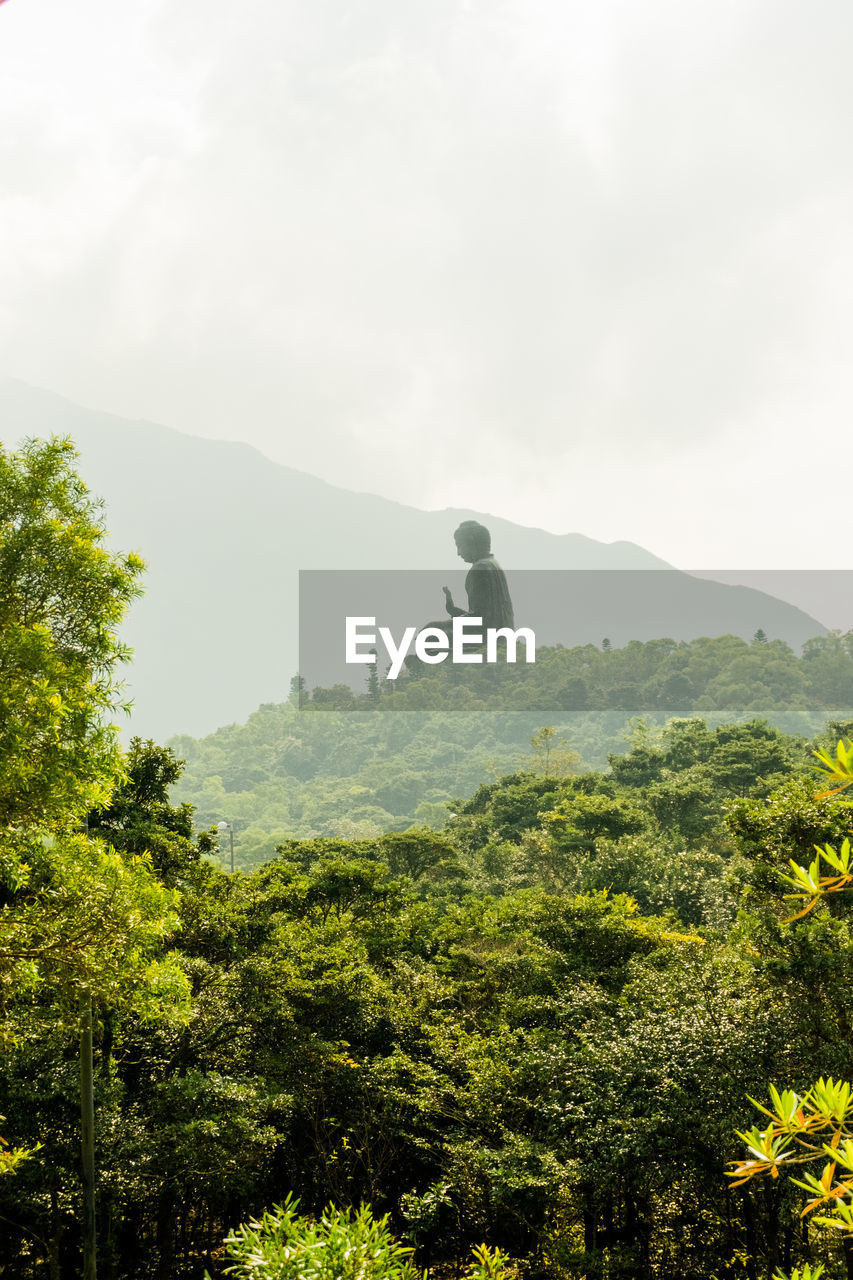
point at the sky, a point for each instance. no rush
(587, 266)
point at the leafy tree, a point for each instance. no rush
(580, 820)
(422, 855)
(815, 1127)
(372, 679)
(298, 693)
(74, 913)
(62, 594)
(78, 920)
(140, 818)
(83, 918)
(553, 756)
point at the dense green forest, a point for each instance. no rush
(653, 677)
(537, 1028)
(357, 765)
(524, 1045)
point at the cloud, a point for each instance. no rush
(583, 265)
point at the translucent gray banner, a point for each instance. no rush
(618, 640)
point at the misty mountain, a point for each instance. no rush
(224, 532)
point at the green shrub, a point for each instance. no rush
(341, 1245)
(344, 1244)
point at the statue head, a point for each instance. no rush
(473, 541)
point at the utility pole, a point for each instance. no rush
(87, 1128)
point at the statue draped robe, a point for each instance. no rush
(488, 595)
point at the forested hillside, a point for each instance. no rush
(528, 1046)
(357, 764)
(536, 1029)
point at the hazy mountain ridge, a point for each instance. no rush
(224, 531)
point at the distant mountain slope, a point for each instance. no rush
(224, 532)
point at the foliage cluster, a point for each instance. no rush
(78, 920)
(532, 1034)
(343, 1244)
(536, 1029)
(707, 675)
(360, 773)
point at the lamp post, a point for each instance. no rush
(221, 826)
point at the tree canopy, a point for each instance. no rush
(62, 596)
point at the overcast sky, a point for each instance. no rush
(584, 265)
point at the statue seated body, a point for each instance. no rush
(485, 586)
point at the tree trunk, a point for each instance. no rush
(588, 1215)
(87, 1125)
(57, 1228)
(848, 1256)
(749, 1226)
(166, 1233)
(771, 1201)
